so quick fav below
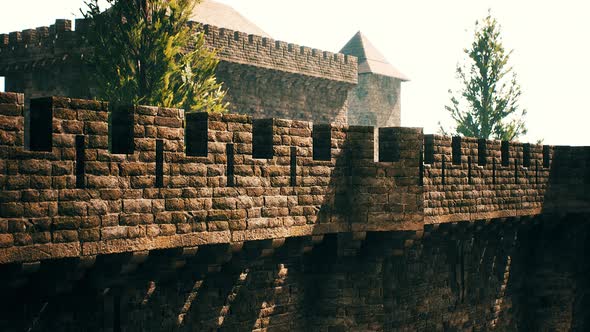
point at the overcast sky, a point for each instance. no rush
(425, 40)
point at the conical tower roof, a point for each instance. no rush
(223, 16)
(370, 60)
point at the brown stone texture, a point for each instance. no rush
(375, 101)
(226, 221)
(441, 234)
(263, 77)
(239, 47)
(503, 275)
(471, 191)
(262, 93)
(119, 207)
(121, 204)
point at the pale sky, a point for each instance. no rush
(425, 40)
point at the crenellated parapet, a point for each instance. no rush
(80, 179)
(240, 47)
(473, 179)
(47, 45)
(76, 184)
(262, 77)
(43, 46)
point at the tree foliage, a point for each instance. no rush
(144, 51)
(487, 103)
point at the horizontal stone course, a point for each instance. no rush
(42, 202)
(118, 199)
(472, 191)
(235, 47)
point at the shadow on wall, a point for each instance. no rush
(151, 172)
(233, 175)
(569, 181)
(556, 294)
(150, 179)
(263, 93)
(556, 291)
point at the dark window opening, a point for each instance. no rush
(80, 161)
(389, 147)
(526, 155)
(229, 152)
(456, 150)
(262, 134)
(39, 125)
(196, 134)
(505, 151)
(121, 120)
(159, 163)
(322, 142)
(546, 156)
(429, 149)
(482, 152)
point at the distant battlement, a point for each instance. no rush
(80, 180)
(473, 179)
(171, 179)
(235, 46)
(44, 46)
(40, 47)
(283, 213)
(34, 37)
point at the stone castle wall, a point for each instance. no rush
(482, 276)
(262, 93)
(74, 185)
(375, 101)
(159, 219)
(263, 77)
(228, 178)
(474, 179)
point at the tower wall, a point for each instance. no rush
(263, 77)
(375, 101)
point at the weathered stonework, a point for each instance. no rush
(221, 221)
(263, 93)
(379, 94)
(376, 100)
(279, 216)
(119, 207)
(263, 77)
(453, 277)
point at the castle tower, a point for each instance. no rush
(376, 99)
(263, 77)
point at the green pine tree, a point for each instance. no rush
(145, 52)
(487, 104)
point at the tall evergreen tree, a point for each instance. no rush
(487, 104)
(144, 51)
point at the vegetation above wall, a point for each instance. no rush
(140, 55)
(487, 105)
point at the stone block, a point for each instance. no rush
(6, 240)
(64, 236)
